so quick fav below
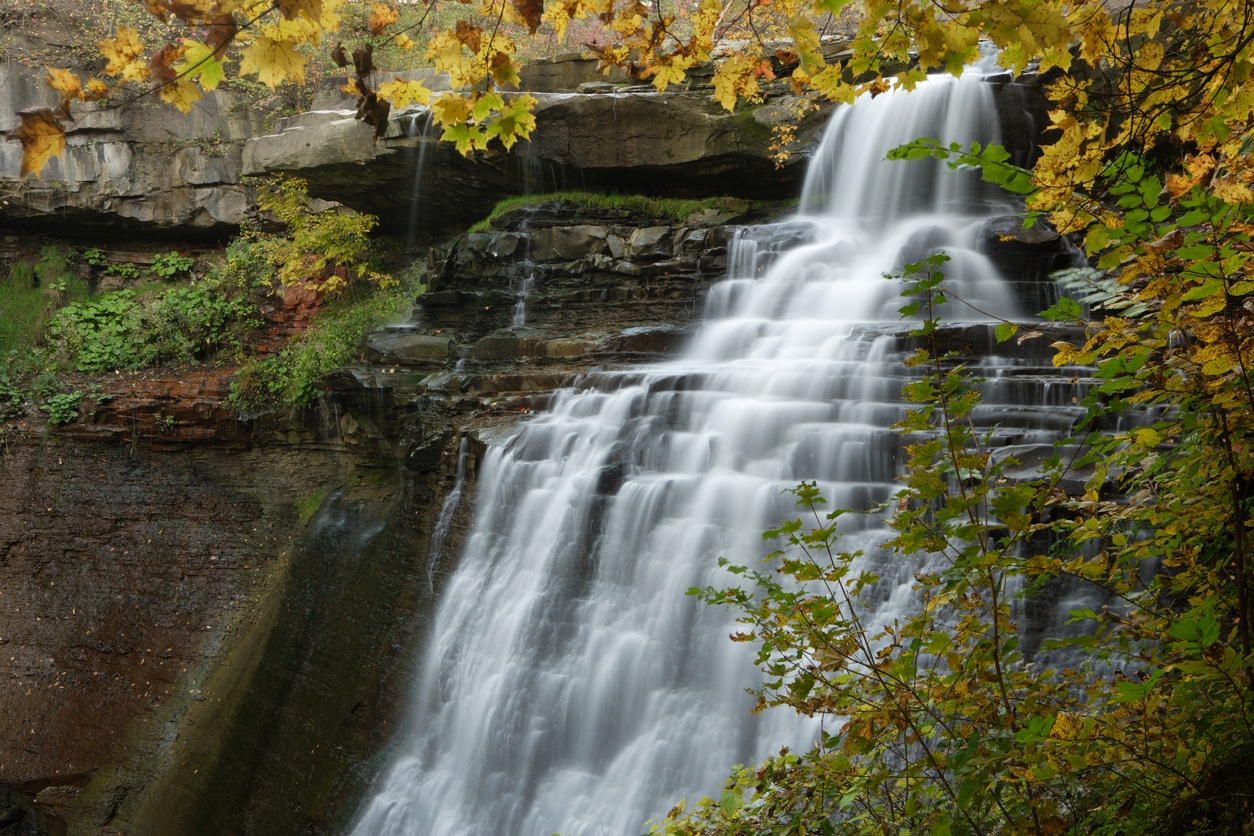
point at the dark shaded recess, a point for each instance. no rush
(335, 670)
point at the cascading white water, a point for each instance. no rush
(570, 685)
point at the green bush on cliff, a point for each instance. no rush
(676, 209)
(129, 330)
(285, 381)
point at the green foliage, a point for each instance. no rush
(31, 293)
(63, 408)
(168, 265)
(94, 257)
(676, 209)
(941, 724)
(126, 330)
(286, 381)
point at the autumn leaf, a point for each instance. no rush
(504, 69)
(468, 35)
(403, 41)
(201, 66)
(451, 109)
(222, 31)
(42, 137)
(338, 56)
(381, 17)
(514, 121)
(273, 62)
(181, 93)
(66, 83)
(401, 93)
(531, 12)
(310, 9)
(97, 88)
(124, 52)
(733, 78)
(160, 71)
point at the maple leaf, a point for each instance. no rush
(467, 137)
(338, 56)
(485, 104)
(180, 93)
(160, 71)
(123, 53)
(401, 93)
(42, 137)
(311, 9)
(531, 12)
(273, 62)
(222, 31)
(514, 121)
(66, 83)
(381, 17)
(468, 35)
(504, 69)
(201, 66)
(733, 78)
(97, 88)
(451, 109)
(404, 42)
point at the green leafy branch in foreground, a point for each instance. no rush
(940, 723)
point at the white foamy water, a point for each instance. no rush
(570, 685)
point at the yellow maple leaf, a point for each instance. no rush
(381, 17)
(451, 109)
(97, 88)
(671, 71)
(42, 138)
(1231, 192)
(445, 51)
(273, 62)
(733, 78)
(66, 83)
(123, 53)
(309, 9)
(401, 93)
(181, 93)
(404, 42)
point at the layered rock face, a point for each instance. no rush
(138, 167)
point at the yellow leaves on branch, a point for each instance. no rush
(124, 53)
(273, 62)
(735, 77)
(472, 121)
(401, 93)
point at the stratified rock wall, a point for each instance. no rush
(139, 166)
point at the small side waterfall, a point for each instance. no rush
(570, 685)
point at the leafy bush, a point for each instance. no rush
(63, 408)
(677, 209)
(286, 380)
(170, 264)
(126, 330)
(325, 249)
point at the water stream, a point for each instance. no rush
(570, 685)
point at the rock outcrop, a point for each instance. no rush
(138, 166)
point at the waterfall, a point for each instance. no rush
(569, 683)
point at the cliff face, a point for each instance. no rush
(138, 167)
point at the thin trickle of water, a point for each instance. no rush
(569, 684)
(420, 147)
(522, 288)
(444, 523)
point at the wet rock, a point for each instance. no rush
(1030, 254)
(409, 348)
(649, 244)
